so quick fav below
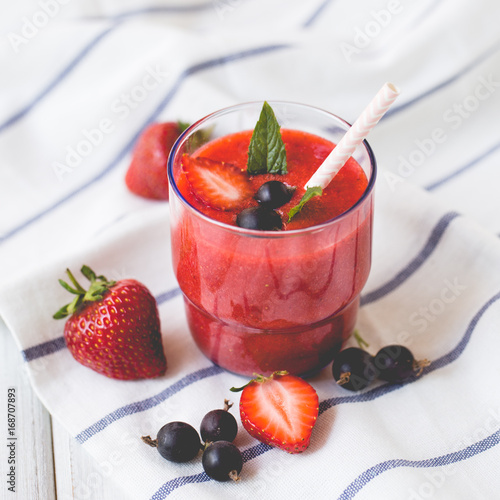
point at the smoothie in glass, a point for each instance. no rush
(258, 301)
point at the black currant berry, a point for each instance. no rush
(274, 194)
(260, 218)
(176, 441)
(222, 461)
(395, 363)
(353, 369)
(219, 425)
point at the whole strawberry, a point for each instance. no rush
(280, 410)
(147, 174)
(113, 327)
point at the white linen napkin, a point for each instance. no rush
(433, 285)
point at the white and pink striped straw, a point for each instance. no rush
(354, 136)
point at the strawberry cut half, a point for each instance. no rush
(280, 410)
(218, 184)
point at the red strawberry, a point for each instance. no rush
(147, 173)
(114, 327)
(279, 410)
(218, 184)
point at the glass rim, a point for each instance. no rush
(254, 233)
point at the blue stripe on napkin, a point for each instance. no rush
(166, 9)
(363, 479)
(146, 404)
(440, 86)
(458, 456)
(441, 362)
(464, 168)
(414, 265)
(57, 80)
(43, 349)
(170, 486)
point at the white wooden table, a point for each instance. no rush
(49, 463)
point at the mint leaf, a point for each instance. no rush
(266, 153)
(311, 192)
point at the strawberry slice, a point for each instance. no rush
(218, 184)
(279, 410)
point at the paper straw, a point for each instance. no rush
(354, 136)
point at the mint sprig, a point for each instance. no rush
(311, 192)
(266, 153)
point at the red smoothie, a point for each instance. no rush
(261, 301)
(305, 153)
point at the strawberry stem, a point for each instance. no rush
(99, 285)
(259, 379)
(68, 288)
(73, 280)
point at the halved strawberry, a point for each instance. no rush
(218, 184)
(279, 410)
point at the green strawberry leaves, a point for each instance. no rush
(99, 285)
(266, 153)
(259, 379)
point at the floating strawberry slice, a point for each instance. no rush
(218, 184)
(279, 410)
